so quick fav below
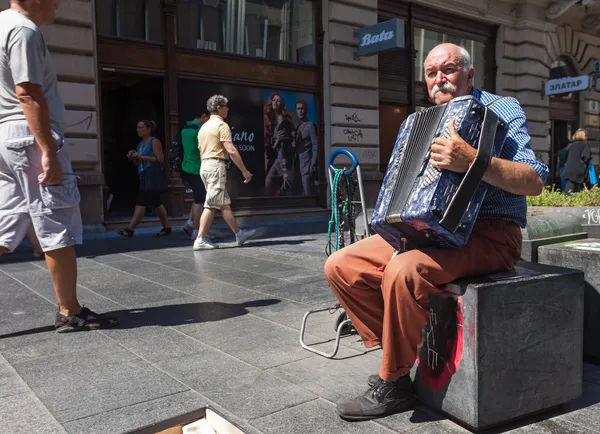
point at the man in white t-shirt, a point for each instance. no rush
(37, 183)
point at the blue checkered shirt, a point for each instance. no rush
(499, 204)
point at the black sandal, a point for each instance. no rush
(127, 233)
(84, 321)
(164, 232)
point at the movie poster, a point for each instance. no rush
(290, 143)
(274, 132)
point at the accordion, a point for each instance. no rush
(422, 206)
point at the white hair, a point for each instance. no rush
(214, 102)
(463, 57)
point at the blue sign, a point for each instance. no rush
(380, 37)
(597, 66)
(568, 85)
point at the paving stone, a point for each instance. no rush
(137, 416)
(308, 294)
(116, 383)
(335, 380)
(244, 390)
(10, 382)
(243, 278)
(551, 426)
(215, 290)
(315, 417)
(155, 343)
(278, 344)
(420, 420)
(43, 347)
(25, 414)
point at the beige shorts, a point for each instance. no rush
(214, 177)
(53, 209)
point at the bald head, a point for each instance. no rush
(448, 73)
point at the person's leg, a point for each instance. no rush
(62, 265)
(230, 219)
(196, 212)
(161, 212)
(138, 216)
(407, 282)
(208, 215)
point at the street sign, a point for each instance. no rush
(593, 106)
(568, 85)
(597, 66)
(597, 84)
(380, 37)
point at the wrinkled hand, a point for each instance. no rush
(52, 172)
(247, 177)
(452, 154)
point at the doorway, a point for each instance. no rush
(126, 99)
(390, 120)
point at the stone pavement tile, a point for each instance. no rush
(333, 379)
(243, 278)
(239, 387)
(308, 294)
(293, 258)
(25, 414)
(585, 411)
(307, 277)
(314, 417)
(155, 343)
(136, 267)
(254, 340)
(10, 382)
(551, 426)
(261, 266)
(15, 267)
(43, 347)
(137, 416)
(130, 291)
(218, 291)
(420, 420)
(199, 267)
(177, 279)
(95, 381)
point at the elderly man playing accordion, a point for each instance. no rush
(386, 295)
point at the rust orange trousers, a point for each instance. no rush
(387, 298)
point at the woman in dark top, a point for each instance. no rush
(149, 151)
(578, 159)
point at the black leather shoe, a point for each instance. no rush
(383, 399)
(373, 379)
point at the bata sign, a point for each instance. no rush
(568, 85)
(380, 37)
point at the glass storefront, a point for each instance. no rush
(426, 39)
(275, 132)
(131, 19)
(269, 29)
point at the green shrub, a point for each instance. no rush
(552, 197)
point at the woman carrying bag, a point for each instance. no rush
(578, 160)
(148, 157)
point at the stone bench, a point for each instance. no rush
(547, 229)
(583, 255)
(513, 346)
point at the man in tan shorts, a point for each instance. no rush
(215, 143)
(37, 183)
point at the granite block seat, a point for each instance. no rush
(583, 255)
(503, 346)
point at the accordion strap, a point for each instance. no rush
(470, 182)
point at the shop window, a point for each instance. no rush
(425, 40)
(268, 29)
(131, 19)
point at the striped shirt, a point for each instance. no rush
(499, 204)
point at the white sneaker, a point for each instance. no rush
(208, 237)
(245, 236)
(202, 244)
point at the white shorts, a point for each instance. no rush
(53, 209)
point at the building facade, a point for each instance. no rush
(121, 61)
(516, 48)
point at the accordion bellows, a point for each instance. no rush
(419, 205)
